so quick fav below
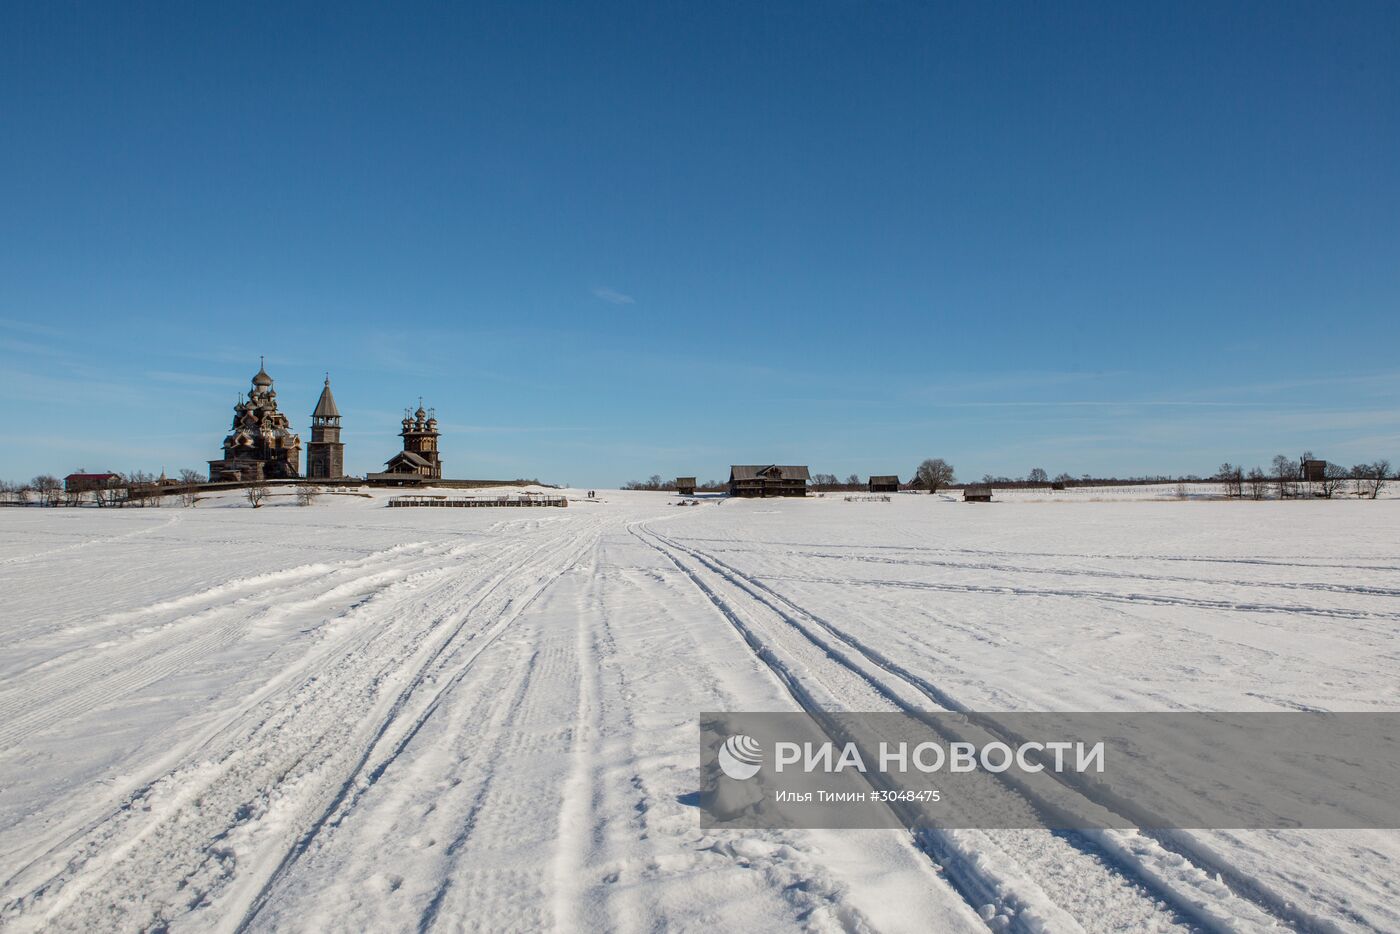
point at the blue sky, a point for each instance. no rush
(611, 240)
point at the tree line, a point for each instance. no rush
(137, 488)
(1283, 480)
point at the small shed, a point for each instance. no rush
(1314, 471)
(977, 494)
(884, 484)
(685, 486)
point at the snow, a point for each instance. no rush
(346, 717)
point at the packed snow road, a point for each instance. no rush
(345, 717)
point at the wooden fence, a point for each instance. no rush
(403, 501)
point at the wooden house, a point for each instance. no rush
(758, 480)
(977, 494)
(1313, 471)
(685, 486)
(87, 482)
(884, 484)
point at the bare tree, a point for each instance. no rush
(114, 492)
(1332, 477)
(1258, 483)
(139, 487)
(49, 488)
(190, 481)
(1038, 475)
(307, 494)
(1285, 474)
(16, 493)
(257, 492)
(854, 481)
(935, 473)
(1232, 478)
(654, 482)
(1374, 478)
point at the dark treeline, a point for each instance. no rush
(137, 488)
(1284, 479)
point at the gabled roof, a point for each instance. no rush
(884, 478)
(768, 471)
(681, 481)
(409, 456)
(91, 476)
(325, 407)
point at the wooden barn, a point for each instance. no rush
(977, 494)
(685, 486)
(768, 480)
(884, 484)
(1313, 471)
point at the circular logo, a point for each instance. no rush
(740, 757)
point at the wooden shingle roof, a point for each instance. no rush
(410, 457)
(325, 406)
(765, 471)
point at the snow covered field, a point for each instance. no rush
(346, 717)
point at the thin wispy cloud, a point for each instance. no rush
(29, 348)
(27, 327)
(613, 296)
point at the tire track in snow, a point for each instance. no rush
(1153, 857)
(95, 676)
(655, 861)
(576, 807)
(166, 612)
(538, 572)
(1018, 896)
(89, 542)
(1342, 562)
(176, 844)
(1350, 589)
(1106, 596)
